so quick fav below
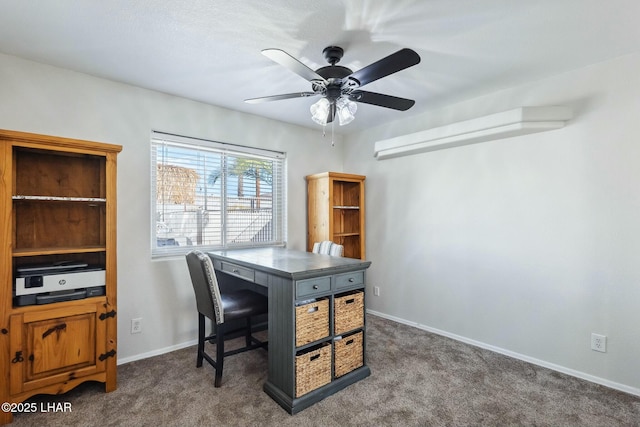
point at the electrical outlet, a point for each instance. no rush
(376, 291)
(136, 325)
(599, 343)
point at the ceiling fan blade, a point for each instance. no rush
(280, 97)
(288, 61)
(381, 100)
(404, 58)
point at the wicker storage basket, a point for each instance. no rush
(313, 369)
(312, 322)
(349, 312)
(348, 353)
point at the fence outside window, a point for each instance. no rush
(213, 195)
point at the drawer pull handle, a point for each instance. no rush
(312, 309)
(349, 301)
(351, 279)
(349, 342)
(314, 357)
(315, 286)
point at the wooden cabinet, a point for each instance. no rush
(336, 211)
(57, 205)
(59, 343)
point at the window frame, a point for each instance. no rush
(226, 151)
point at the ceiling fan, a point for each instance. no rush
(339, 87)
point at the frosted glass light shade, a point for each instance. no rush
(346, 111)
(320, 111)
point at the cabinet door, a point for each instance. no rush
(55, 345)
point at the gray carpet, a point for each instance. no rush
(418, 378)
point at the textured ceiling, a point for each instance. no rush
(209, 50)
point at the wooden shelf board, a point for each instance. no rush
(56, 251)
(60, 199)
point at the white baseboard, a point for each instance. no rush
(532, 360)
(158, 352)
(544, 364)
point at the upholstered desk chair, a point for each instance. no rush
(327, 247)
(221, 308)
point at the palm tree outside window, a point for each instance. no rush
(214, 195)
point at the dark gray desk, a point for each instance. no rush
(290, 276)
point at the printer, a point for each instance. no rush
(60, 281)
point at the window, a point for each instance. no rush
(212, 195)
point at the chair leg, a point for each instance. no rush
(219, 354)
(201, 335)
(247, 335)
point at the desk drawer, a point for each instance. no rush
(237, 270)
(349, 279)
(312, 286)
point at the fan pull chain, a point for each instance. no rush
(324, 134)
(332, 142)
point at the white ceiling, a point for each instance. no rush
(209, 50)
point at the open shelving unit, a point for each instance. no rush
(336, 212)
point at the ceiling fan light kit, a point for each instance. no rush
(339, 87)
(322, 110)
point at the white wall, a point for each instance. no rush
(524, 245)
(48, 100)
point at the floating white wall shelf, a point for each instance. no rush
(519, 121)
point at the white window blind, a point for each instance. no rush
(213, 195)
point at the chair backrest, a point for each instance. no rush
(205, 285)
(327, 247)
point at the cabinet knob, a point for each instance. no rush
(235, 270)
(315, 286)
(351, 279)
